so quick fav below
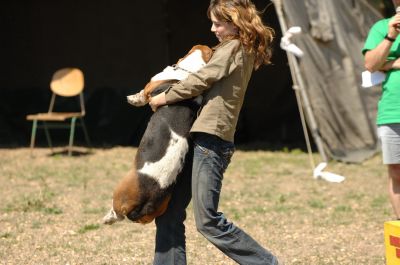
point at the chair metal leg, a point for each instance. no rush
(33, 135)
(71, 135)
(46, 131)
(86, 134)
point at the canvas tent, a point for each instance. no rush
(339, 113)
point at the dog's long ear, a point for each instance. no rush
(135, 214)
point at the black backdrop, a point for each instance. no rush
(119, 45)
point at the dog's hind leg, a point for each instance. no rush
(137, 99)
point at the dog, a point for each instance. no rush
(144, 193)
(193, 61)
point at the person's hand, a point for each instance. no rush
(394, 26)
(157, 101)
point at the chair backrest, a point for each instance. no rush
(67, 82)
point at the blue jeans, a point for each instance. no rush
(210, 160)
(212, 156)
(170, 247)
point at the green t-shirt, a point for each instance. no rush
(389, 103)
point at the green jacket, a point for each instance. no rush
(222, 82)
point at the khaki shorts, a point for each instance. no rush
(389, 136)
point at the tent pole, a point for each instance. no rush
(298, 85)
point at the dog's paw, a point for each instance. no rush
(111, 217)
(137, 99)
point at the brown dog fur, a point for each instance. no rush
(126, 198)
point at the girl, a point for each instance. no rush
(244, 45)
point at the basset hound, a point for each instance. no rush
(144, 193)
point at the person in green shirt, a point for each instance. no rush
(381, 53)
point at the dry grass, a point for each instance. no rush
(52, 208)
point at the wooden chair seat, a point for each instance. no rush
(53, 116)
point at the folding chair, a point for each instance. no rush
(66, 82)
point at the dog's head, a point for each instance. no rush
(125, 198)
(127, 202)
(149, 211)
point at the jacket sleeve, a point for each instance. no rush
(222, 64)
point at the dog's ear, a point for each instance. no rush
(135, 215)
(125, 196)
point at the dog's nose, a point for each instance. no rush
(112, 217)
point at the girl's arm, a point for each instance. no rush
(222, 64)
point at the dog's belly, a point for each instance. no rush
(165, 170)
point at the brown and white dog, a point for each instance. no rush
(196, 58)
(144, 193)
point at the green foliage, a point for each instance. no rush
(343, 209)
(5, 235)
(316, 203)
(87, 228)
(379, 201)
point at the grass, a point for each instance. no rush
(52, 208)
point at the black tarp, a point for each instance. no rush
(119, 45)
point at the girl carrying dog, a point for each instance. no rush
(244, 45)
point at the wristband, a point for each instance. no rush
(389, 38)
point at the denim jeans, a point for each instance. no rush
(211, 158)
(170, 246)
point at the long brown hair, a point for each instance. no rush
(253, 34)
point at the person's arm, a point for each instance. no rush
(157, 101)
(376, 59)
(392, 64)
(221, 64)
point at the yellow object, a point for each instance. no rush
(392, 242)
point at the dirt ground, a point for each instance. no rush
(52, 207)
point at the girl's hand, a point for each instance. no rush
(157, 101)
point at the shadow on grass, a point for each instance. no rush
(74, 153)
(276, 146)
